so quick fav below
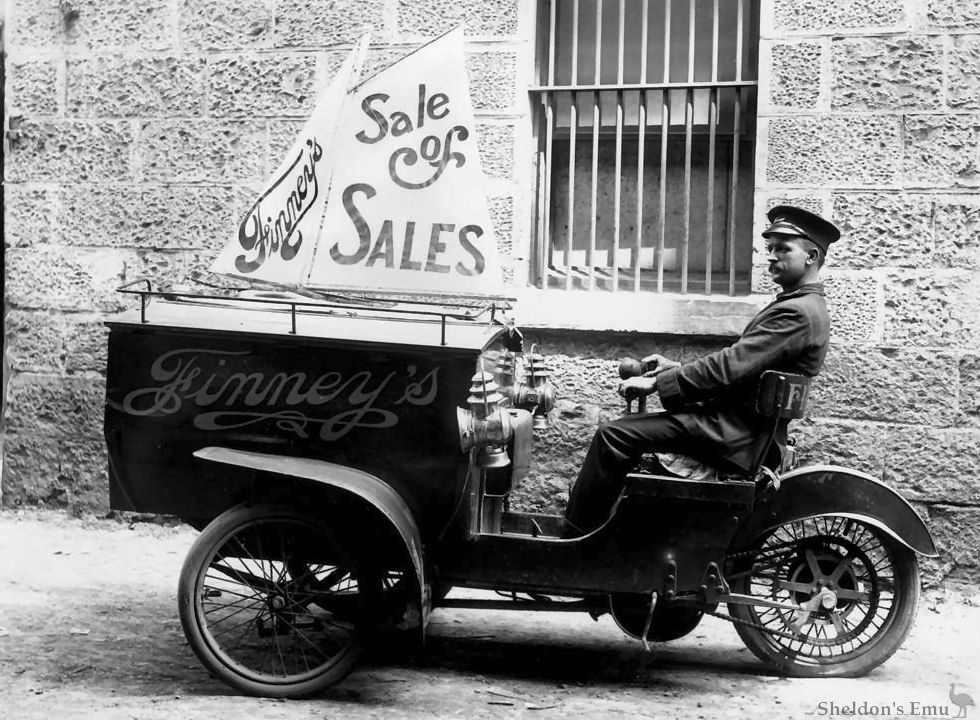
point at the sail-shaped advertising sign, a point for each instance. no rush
(275, 241)
(406, 211)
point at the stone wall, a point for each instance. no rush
(140, 131)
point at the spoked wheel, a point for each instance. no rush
(272, 603)
(853, 587)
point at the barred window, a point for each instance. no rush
(646, 124)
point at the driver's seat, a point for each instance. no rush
(780, 396)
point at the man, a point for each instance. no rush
(709, 403)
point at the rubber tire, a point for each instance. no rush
(194, 568)
(883, 646)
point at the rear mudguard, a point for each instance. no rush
(368, 488)
(833, 490)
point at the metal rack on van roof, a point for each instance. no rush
(317, 303)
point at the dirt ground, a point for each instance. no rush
(89, 629)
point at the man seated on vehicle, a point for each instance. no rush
(710, 402)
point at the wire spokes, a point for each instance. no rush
(279, 601)
(838, 578)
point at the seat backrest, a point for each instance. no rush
(782, 395)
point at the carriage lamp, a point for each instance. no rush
(486, 426)
(536, 392)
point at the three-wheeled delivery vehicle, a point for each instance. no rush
(348, 464)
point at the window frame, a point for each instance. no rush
(543, 102)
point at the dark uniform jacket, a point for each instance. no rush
(714, 396)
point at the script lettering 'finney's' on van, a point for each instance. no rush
(287, 200)
(183, 377)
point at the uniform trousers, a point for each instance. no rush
(616, 448)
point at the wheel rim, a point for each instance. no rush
(278, 602)
(840, 574)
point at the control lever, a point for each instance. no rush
(630, 367)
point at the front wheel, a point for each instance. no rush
(272, 603)
(848, 593)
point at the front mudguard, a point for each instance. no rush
(833, 490)
(366, 487)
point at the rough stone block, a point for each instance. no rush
(34, 341)
(838, 150)
(963, 72)
(857, 446)
(543, 492)
(957, 223)
(32, 87)
(493, 80)
(893, 385)
(942, 150)
(114, 86)
(58, 278)
(94, 24)
(282, 135)
(887, 73)
(838, 14)
(954, 13)
(795, 79)
(807, 202)
(933, 465)
(59, 406)
(303, 24)
(29, 215)
(168, 269)
(502, 218)
(57, 473)
(956, 531)
(480, 18)
(854, 305)
(85, 345)
(933, 309)
(199, 150)
(35, 23)
(496, 147)
(883, 230)
(65, 150)
(162, 217)
(380, 57)
(226, 24)
(269, 85)
(969, 377)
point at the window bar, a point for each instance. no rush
(664, 128)
(688, 142)
(618, 184)
(547, 249)
(641, 126)
(712, 133)
(596, 126)
(572, 128)
(733, 193)
(735, 149)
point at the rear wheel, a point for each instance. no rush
(273, 603)
(853, 590)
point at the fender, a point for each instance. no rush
(834, 490)
(367, 487)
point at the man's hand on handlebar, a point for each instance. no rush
(657, 363)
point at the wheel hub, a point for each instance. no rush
(276, 602)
